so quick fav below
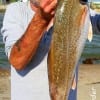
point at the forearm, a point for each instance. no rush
(25, 48)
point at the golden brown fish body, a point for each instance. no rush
(68, 39)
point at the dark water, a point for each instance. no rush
(3, 59)
(92, 50)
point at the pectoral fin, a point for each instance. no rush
(90, 34)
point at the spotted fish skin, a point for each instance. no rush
(68, 39)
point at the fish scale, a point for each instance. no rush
(67, 39)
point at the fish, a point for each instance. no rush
(70, 32)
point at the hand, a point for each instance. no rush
(47, 9)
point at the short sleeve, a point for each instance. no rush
(12, 28)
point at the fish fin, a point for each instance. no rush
(90, 34)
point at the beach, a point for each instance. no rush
(89, 74)
(4, 84)
(88, 83)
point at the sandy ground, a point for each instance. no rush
(89, 82)
(88, 85)
(4, 85)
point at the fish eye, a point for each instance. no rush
(83, 2)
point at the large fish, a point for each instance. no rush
(68, 39)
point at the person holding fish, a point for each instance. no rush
(27, 30)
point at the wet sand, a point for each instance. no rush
(88, 85)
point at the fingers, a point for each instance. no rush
(51, 7)
(44, 3)
(47, 9)
(48, 5)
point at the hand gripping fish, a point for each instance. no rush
(68, 39)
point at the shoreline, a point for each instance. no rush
(4, 72)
